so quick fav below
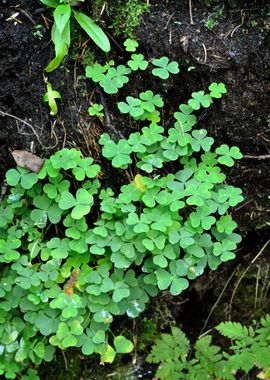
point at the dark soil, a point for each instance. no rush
(236, 52)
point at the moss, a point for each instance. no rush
(123, 16)
(128, 16)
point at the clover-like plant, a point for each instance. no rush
(114, 79)
(137, 62)
(131, 45)
(21, 176)
(96, 110)
(76, 255)
(228, 155)
(164, 67)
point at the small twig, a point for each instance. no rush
(170, 36)
(190, 13)
(22, 121)
(261, 157)
(205, 53)
(169, 19)
(256, 289)
(29, 125)
(116, 43)
(104, 7)
(234, 30)
(65, 359)
(242, 205)
(243, 275)
(27, 14)
(108, 122)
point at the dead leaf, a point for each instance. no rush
(27, 160)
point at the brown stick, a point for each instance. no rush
(261, 157)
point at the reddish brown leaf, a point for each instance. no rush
(27, 160)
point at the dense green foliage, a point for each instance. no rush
(250, 347)
(75, 255)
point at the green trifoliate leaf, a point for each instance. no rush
(152, 134)
(231, 194)
(121, 291)
(164, 68)
(57, 185)
(150, 101)
(81, 204)
(226, 224)
(65, 159)
(137, 62)
(131, 45)
(185, 116)
(115, 79)
(200, 141)
(200, 99)
(149, 162)
(96, 110)
(23, 176)
(217, 89)
(60, 247)
(119, 153)
(228, 155)
(133, 106)
(86, 168)
(135, 142)
(95, 72)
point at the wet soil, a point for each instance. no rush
(236, 52)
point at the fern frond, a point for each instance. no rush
(262, 357)
(250, 348)
(264, 331)
(169, 347)
(233, 330)
(241, 361)
(265, 321)
(207, 352)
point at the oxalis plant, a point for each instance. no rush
(75, 255)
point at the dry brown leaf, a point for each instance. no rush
(27, 160)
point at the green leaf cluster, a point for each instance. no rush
(63, 12)
(75, 254)
(111, 79)
(249, 350)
